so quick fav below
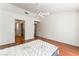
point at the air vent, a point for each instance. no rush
(26, 13)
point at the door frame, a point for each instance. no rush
(23, 21)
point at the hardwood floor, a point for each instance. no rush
(13, 44)
(64, 49)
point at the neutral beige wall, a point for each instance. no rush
(60, 26)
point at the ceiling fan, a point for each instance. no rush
(40, 13)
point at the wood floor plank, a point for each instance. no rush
(64, 49)
(13, 44)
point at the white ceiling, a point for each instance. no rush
(48, 7)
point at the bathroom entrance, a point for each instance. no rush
(19, 31)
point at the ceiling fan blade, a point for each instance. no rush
(45, 13)
(42, 16)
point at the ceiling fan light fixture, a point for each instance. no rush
(40, 13)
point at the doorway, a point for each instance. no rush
(19, 31)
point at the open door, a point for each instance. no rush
(19, 31)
